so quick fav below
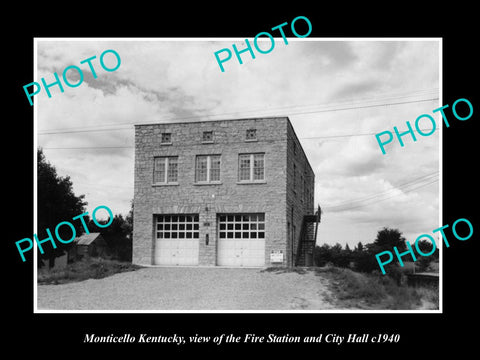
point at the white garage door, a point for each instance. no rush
(176, 240)
(241, 240)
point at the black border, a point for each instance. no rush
(429, 333)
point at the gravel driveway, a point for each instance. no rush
(195, 288)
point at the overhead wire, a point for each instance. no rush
(433, 91)
(427, 177)
(113, 129)
(326, 108)
(371, 201)
(231, 142)
(387, 198)
(349, 205)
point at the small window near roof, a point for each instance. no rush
(207, 136)
(166, 138)
(251, 134)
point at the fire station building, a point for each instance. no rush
(222, 193)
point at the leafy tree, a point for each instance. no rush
(346, 257)
(322, 255)
(388, 238)
(426, 247)
(128, 225)
(336, 249)
(56, 203)
(359, 247)
(340, 257)
(333, 254)
(363, 256)
(118, 235)
(365, 260)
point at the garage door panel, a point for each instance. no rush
(241, 240)
(175, 245)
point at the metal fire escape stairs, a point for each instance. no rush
(307, 238)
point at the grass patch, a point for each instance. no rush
(90, 268)
(353, 290)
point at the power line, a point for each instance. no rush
(366, 106)
(352, 135)
(380, 200)
(88, 147)
(82, 131)
(387, 192)
(300, 138)
(267, 140)
(423, 92)
(47, 132)
(368, 202)
(103, 186)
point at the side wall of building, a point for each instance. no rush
(208, 200)
(300, 190)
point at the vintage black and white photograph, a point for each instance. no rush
(213, 175)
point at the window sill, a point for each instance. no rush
(166, 184)
(251, 182)
(165, 144)
(208, 183)
(251, 140)
(208, 142)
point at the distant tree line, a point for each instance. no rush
(362, 257)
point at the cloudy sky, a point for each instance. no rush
(338, 93)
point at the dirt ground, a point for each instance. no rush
(191, 288)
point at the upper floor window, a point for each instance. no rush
(251, 134)
(165, 170)
(207, 137)
(166, 138)
(251, 167)
(207, 168)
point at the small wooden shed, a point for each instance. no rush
(91, 245)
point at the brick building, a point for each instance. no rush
(222, 193)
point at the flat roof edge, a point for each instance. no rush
(203, 121)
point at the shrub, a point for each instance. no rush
(365, 261)
(332, 254)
